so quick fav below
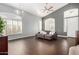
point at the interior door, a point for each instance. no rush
(72, 26)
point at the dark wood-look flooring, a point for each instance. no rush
(32, 46)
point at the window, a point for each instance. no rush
(65, 25)
(71, 22)
(50, 24)
(71, 13)
(13, 25)
(40, 25)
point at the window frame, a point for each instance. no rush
(77, 15)
(52, 24)
(17, 20)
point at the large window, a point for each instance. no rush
(40, 25)
(50, 24)
(13, 25)
(71, 22)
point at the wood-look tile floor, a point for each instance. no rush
(32, 46)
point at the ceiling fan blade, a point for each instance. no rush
(51, 8)
(43, 10)
(47, 8)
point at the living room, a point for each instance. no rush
(40, 28)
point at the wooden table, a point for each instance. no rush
(4, 45)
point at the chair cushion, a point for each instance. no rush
(48, 36)
(42, 32)
(51, 33)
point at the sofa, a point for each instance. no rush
(46, 35)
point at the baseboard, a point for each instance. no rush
(21, 38)
(71, 37)
(62, 36)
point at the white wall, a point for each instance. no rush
(30, 26)
(30, 23)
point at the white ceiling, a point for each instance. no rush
(35, 8)
(9, 16)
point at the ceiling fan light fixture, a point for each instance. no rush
(47, 8)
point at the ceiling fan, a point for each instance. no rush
(47, 8)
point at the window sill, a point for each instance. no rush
(14, 34)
